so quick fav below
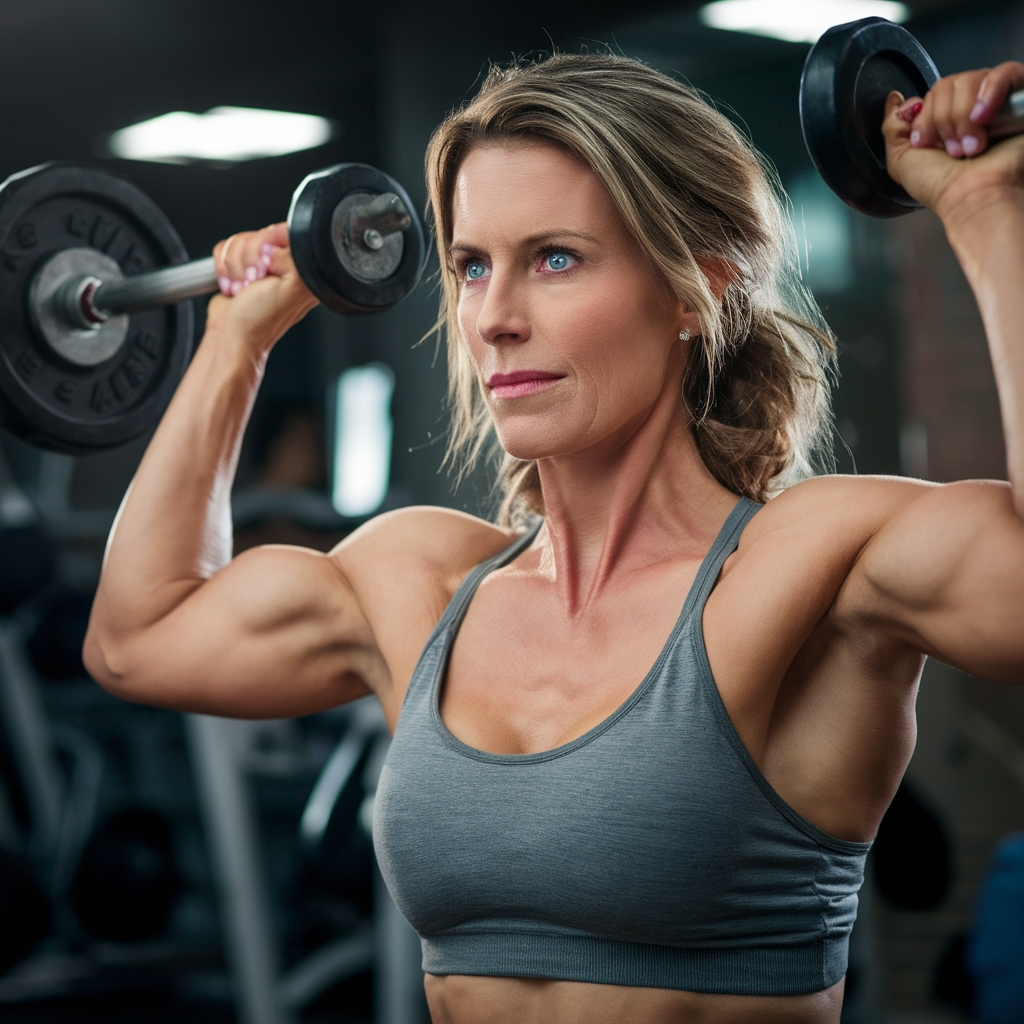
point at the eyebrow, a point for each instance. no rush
(531, 241)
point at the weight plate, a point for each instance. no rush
(52, 401)
(312, 227)
(847, 77)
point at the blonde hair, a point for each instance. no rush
(691, 190)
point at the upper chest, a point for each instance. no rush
(525, 675)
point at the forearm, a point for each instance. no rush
(989, 243)
(174, 527)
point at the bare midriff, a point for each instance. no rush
(459, 999)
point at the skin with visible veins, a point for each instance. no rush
(818, 626)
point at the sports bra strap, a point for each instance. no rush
(725, 544)
(460, 601)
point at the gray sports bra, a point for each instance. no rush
(650, 851)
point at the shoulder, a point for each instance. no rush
(849, 509)
(439, 540)
(873, 537)
(810, 537)
(405, 566)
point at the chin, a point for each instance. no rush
(534, 441)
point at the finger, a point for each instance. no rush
(896, 131)
(895, 126)
(909, 109)
(972, 138)
(923, 134)
(994, 88)
(275, 255)
(241, 259)
(220, 251)
(941, 115)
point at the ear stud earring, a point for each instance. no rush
(684, 334)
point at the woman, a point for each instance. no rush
(579, 836)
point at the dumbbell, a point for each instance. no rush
(846, 80)
(95, 326)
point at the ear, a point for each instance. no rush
(719, 273)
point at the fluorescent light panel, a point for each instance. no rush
(223, 134)
(796, 21)
(362, 439)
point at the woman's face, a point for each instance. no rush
(574, 339)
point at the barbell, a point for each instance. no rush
(96, 329)
(847, 77)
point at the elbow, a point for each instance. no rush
(105, 663)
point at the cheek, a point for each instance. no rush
(466, 315)
(614, 340)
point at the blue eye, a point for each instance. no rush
(557, 261)
(475, 270)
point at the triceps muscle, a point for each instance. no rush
(277, 633)
(947, 574)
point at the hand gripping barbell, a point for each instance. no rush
(846, 80)
(95, 329)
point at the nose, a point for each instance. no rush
(502, 318)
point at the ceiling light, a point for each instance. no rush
(221, 135)
(796, 21)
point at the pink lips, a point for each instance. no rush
(522, 382)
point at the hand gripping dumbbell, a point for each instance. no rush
(846, 80)
(95, 326)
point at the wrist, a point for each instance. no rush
(972, 222)
(234, 354)
(240, 338)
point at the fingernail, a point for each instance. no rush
(915, 138)
(970, 144)
(266, 248)
(978, 112)
(909, 113)
(953, 148)
(265, 260)
(250, 274)
(236, 287)
(224, 283)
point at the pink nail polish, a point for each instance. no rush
(953, 148)
(224, 284)
(250, 274)
(266, 247)
(915, 138)
(978, 112)
(969, 144)
(236, 287)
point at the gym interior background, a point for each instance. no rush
(151, 866)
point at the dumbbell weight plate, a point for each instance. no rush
(51, 395)
(847, 77)
(352, 281)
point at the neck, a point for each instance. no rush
(641, 498)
